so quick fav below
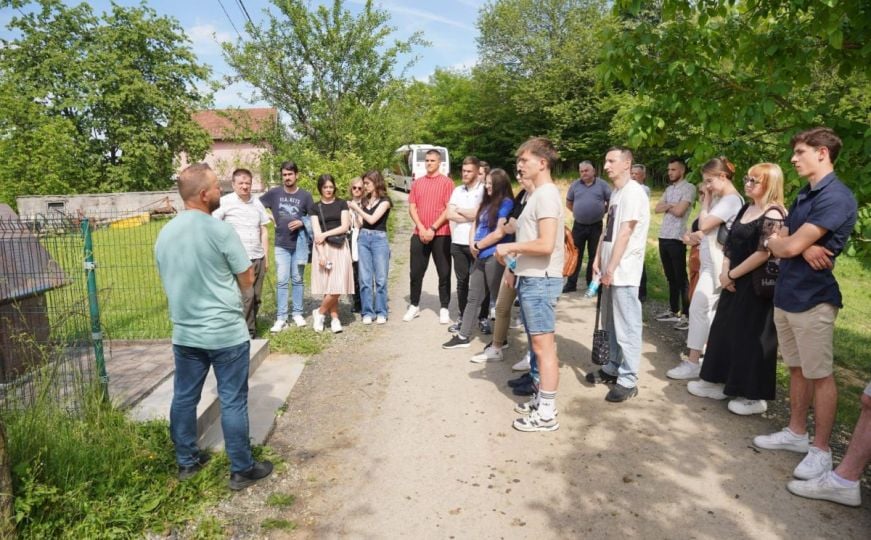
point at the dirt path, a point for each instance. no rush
(389, 436)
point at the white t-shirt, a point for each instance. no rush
(246, 218)
(628, 203)
(545, 202)
(462, 197)
(725, 208)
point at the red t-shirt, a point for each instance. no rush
(431, 195)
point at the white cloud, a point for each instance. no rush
(420, 14)
(207, 39)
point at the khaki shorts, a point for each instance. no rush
(805, 339)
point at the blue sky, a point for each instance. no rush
(449, 25)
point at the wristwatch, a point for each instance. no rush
(433, 229)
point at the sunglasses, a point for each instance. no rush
(356, 188)
(752, 181)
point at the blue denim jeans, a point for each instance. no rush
(621, 311)
(288, 267)
(231, 371)
(372, 262)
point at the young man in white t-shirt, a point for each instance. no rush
(462, 209)
(537, 257)
(620, 261)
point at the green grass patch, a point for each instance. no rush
(280, 500)
(277, 524)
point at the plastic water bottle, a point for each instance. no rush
(512, 262)
(593, 288)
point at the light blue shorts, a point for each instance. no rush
(538, 297)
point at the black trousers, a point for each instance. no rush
(440, 250)
(463, 261)
(584, 235)
(674, 263)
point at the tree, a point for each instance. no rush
(95, 103)
(740, 78)
(330, 71)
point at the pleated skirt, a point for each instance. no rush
(338, 280)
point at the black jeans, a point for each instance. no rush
(463, 262)
(589, 235)
(440, 250)
(674, 262)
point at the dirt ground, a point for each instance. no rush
(386, 435)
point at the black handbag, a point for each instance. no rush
(337, 240)
(601, 342)
(764, 277)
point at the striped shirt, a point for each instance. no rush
(431, 194)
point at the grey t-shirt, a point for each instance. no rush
(589, 203)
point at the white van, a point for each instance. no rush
(409, 163)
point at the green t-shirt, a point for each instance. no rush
(198, 258)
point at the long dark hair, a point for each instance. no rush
(489, 208)
(378, 183)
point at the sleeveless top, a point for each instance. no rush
(381, 224)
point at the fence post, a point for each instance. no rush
(94, 307)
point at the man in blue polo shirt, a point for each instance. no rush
(587, 200)
(807, 298)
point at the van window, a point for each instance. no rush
(421, 154)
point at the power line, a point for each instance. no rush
(245, 11)
(229, 19)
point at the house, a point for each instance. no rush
(237, 141)
(27, 273)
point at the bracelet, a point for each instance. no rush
(475, 245)
(729, 275)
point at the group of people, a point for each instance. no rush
(505, 247)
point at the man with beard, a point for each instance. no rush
(205, 270)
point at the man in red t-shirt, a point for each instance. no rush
(428, 207)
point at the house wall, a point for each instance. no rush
(225, 157)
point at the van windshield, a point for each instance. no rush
(421, 154)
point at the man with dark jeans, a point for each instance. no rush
(428, 207)
(675, 205)
(205, 271)
(587, 200)
(462, 209)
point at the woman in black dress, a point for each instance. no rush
(741, 356)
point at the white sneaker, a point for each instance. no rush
(380, 319)
(336, 326)
(706, 389)
(783, 440)
(518, 322)
(816, 463)
(683, 324)
(299, 320)
(523, 365)
(278, 326)
(367, 319)
(684, 371)
(413, 312)
(825, 487)
(317, 321)
(444, 316)
(668, 316)
(489, 355)
(746, 407)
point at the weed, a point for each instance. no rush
(303, 341)
(209, 528)
(274, 524)
(280, 500)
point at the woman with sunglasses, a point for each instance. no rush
(741, 359)
(356, 195)
(486, 232)
(331, 274)
(372, 247)
(720, 205)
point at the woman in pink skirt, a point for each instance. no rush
(332, 271)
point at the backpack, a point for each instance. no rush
(570, 263)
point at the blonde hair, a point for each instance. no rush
(771, 177)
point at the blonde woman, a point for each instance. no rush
(741, 357)
(720, 205)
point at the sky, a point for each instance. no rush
(449, 26)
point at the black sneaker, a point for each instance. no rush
(454, 328)
(187, 472)
(526, 378)
(528, 389)
(569, 288)
(484, 326)
(457, 342)
(620, 393)
(600, 376)
(258, 471)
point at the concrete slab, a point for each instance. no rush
(268, 389)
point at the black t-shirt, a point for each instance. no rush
(330, 214)
(287, 207)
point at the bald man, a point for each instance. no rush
(205, 270)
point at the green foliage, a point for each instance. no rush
(331, 71)
(280, 500)
(278, 524)
(97, 474)
(95, 103)
(720, 77)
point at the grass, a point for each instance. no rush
(280, 500)
(277, 524)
